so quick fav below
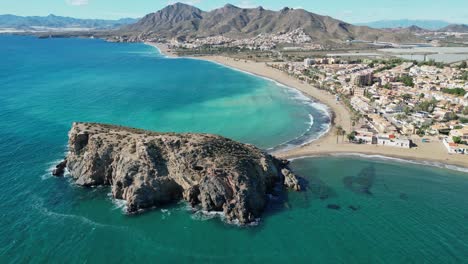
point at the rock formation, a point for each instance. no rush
(60, 169)
(148, 169)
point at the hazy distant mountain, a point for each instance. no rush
(455, 28)
(52, 21)
(181, 20)
(404, 23)
(408, 30)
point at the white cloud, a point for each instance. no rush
(77, 2)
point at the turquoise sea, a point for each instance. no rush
(389, 212)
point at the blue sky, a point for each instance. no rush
(353, 11)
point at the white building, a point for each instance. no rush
(391, 141)
(308, 62)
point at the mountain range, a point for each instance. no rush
(405, 23)
(185, 21)
(52, 21)
(455, 28)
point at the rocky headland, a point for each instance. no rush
(148, 169)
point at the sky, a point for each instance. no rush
(352, 11)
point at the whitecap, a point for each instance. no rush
(50, 168)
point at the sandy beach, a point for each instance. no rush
(327, 144)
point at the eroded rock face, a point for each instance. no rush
(149, 169)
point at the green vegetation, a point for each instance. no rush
(406, 80)
(406, 97)
(431, 62)
(387, 86)
(422, 130)
(427, 106)
(462, 65)
(465, 110)
(464, 76)
(351, 136)
(457, 140)
(455, 91)
(401, 116)
(339, 132)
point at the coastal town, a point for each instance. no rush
(394, 101)
(391, 102)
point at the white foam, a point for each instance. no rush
(295, 94)
(206, 215)
(51, 166)
(162, 54)
(387, 158)
(39, 205)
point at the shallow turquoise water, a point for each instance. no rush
(410, 214)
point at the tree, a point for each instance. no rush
(457, 140)
(455, 91)
(465, 76)
(339, 130)
(406, 97)
(465, 110)
(407, 110)
(462, 65)
(427, 106)
(406, 80)
(351, 136)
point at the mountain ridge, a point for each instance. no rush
(53, 21)
(184, 21)
(461, 28)
(405, 23)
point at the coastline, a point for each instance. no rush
(327, 145)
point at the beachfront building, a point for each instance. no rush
(461, 133)
(392, 141)
(454, 148)
(364, 137)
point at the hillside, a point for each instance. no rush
(405, 23)
(52, 21)
(455, 28)
(185, 21)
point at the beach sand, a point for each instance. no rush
(327, 144)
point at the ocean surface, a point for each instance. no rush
(384, 211)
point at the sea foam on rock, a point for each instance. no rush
(147, 169)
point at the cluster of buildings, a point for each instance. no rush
(260, 42)
(395, 104)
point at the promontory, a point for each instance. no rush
(148, 169)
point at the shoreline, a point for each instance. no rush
(329, 144)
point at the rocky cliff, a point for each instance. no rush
(148, 169)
